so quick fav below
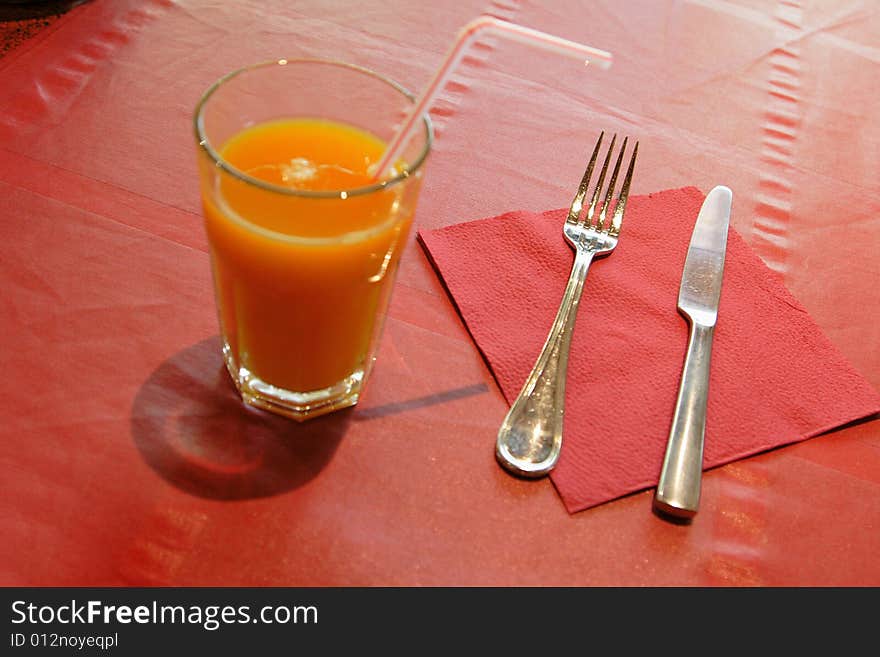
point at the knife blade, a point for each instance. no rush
(678, 491)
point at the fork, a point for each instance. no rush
(530, 438)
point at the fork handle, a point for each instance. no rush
(678, 492)
(530, 438)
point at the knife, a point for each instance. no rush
(678, 492)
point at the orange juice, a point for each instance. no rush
(303, 254)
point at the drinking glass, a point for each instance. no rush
(303, 274)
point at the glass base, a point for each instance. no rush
(299, 406)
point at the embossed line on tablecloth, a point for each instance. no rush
(121, 206)
(460, 81)
(48, 96)
(739, 528)
(782, 121)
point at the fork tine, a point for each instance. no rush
(588, 221)
(610, 193)
(577, 203)
(617, 218)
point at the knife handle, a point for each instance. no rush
(678, 492)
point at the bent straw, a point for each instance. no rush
(466, 36)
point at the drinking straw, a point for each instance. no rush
(466, 36)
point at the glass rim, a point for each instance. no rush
(207, 147)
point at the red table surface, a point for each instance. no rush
(127, 459)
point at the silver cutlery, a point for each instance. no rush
(678, 492)
(530, 438)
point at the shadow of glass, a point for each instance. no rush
(191, 427)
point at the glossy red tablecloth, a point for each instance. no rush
(126, 458)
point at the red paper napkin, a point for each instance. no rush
(775, 377)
